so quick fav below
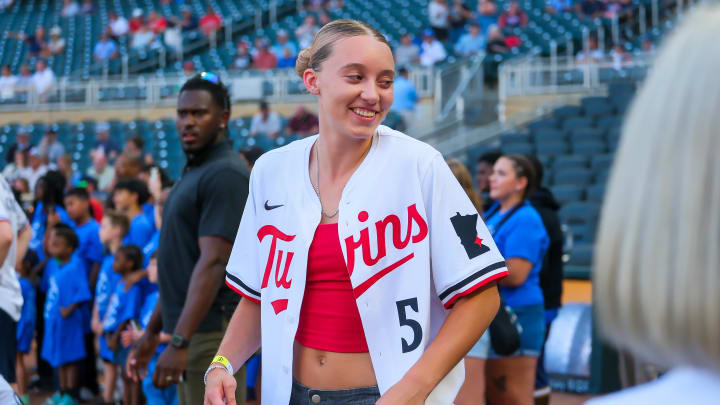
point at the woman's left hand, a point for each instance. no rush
(405, 392)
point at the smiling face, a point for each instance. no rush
(354, 86)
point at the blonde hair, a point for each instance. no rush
(462, 174)
(657, 261)
(322, 44)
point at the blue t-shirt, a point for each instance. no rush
(26, 324)
(522, 236)
(140, 231)
(146, 313)
(106, 282)
(50, 267)
(39, 223)
(150, 248)
(149, 211)
(63, 338)
(123, 306)
(90, 249)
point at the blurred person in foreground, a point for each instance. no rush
(656, 260)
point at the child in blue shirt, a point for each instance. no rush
(124, 310)
(63, 340)
(153, 395)
(128, 197)
(26, 325)
(113, 229)
(90, 252)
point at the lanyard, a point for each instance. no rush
(505, 218)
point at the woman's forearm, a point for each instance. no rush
(466, 322)
(242, 336)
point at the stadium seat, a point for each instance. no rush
(548, 135)
(577, 177)
(548, 123)
(518, 148)
(577, 122)
(588, 147)
(567, 193)
(514, 137)
(552, 148)
(564, 162)
(595, 106)
(567, 111)
(601, 162)
(609, 122)
(595, 193)
(579, 212)
(587, 134)
(580, 262)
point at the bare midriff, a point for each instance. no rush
(325, 370)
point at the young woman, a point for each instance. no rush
(363, 257)
(520, 235)
(656, 259)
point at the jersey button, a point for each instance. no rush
(315, 399)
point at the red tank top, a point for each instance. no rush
(329, 318)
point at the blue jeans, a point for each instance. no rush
(302, 395)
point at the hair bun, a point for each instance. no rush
(303, 61)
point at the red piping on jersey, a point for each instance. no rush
(474, 288)
(237, 290)
(329, 317)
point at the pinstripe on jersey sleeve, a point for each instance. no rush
(243, 271)
(463, 255)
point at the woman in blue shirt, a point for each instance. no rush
(520, 236)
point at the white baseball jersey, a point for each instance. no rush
(412, 241)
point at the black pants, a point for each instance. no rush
(8, 346)
(88, 366)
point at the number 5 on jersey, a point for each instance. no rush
(413, 324)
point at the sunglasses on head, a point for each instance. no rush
(211, 77)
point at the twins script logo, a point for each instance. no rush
(399, 242)
(281, 278)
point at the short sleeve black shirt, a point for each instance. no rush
(208, 200)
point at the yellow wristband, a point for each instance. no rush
(225, 362)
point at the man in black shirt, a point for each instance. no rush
(200, 219)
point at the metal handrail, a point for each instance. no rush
(468, 73)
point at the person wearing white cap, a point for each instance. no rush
(282, 43)
(56, 45)
(36, 168)
(104, 142)
(431, 50)
(43, 80)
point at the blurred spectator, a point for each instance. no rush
(101, 170)
(24, 80)
(8, 81)
(306, 32)
(459, 16)
(173, 37)
(265, 123)
(438, 14)
(143, 39)
(70, 8)
(91, 184)
(264, 59)
(129, 166)
(134, 144)
(188, 20)
(323, 18)
(251, 154)
(16, 167)
(87, 7)
(487, 14)
(136, 21)
(405, 96)
(287, 60)
(431, 50)
(513, 16)
(282, 44)
(50, 146)
(243, 60)
(36, 168)
(35, 42)
(592, 54)
(407, 52)
(64, 166)
(57, 42)
(210, 23)
(335, 5)
(104, 143)
(590, 8)
(105, 49)
(558, 6)
(616, 7)
(303, 122)
(496, 42)
(43, 80)
(22, 143)
(620, 57)
(483, 170)
(188, 69)
(315, 5)
(471, 43)
(157, 23)
(647, 46)
(6, 4)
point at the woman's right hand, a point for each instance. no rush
(220, 388)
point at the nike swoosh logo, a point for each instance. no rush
(271, 207)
